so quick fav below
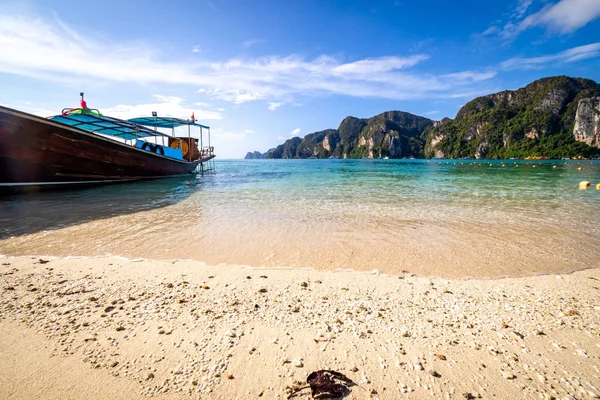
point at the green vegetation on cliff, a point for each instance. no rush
(393, 134)
(537, 120)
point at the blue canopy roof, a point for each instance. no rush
(106, 125)
(164, 122)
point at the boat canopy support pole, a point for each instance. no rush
(190, 141)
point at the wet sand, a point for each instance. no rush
(450, 250)
(114, 328)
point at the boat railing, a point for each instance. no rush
(81, 110)
(207, 151)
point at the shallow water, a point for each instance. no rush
(447, 218)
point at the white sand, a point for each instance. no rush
(115, 329)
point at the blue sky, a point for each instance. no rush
(259, 72)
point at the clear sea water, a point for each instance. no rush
(452, 218)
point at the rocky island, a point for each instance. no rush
(257, 155)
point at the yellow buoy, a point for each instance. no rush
(597, 186)
(554, 166)
(584, 185)
(579, 169)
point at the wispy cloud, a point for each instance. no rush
(27, 107)
(292, 134)
(522, 7)
(249, 43)
(197, 49)
(471, 76)
(379, 65)
(273, 106)
(567, 56)
(563, 17)
(53, 51)
(225, 135)
(558, 18)
(165, 105)
(490, 31)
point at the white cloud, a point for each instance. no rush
(490, 31)
(563, 17)
(249, 43)
(379, 65)
(431, 113)
(471, 76)
(521, 8)
(196, 49)
(248, 131)
(292, 134)
(273, 106)
(27, 107)
(52, 51)
(226, 135)
(236, 96)
(35, 48)
(567, 56)
(165, 106)
(471, 94)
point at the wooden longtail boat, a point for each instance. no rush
(81, 146)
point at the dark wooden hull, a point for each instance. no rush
(36, 151)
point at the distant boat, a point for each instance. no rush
(333, 157)
(386, 158)
(81, 146)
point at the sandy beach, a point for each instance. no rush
(74, 328)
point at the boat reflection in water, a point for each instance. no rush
(27, 213)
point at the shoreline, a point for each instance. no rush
(291, 268)
(192, 330)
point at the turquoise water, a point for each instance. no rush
(430, 217)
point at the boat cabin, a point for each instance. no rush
(144, 133)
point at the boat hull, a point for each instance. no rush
(35, 151)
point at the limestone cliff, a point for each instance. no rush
(393, 134)
(553, 117)
(257, 155)
(587, 122)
